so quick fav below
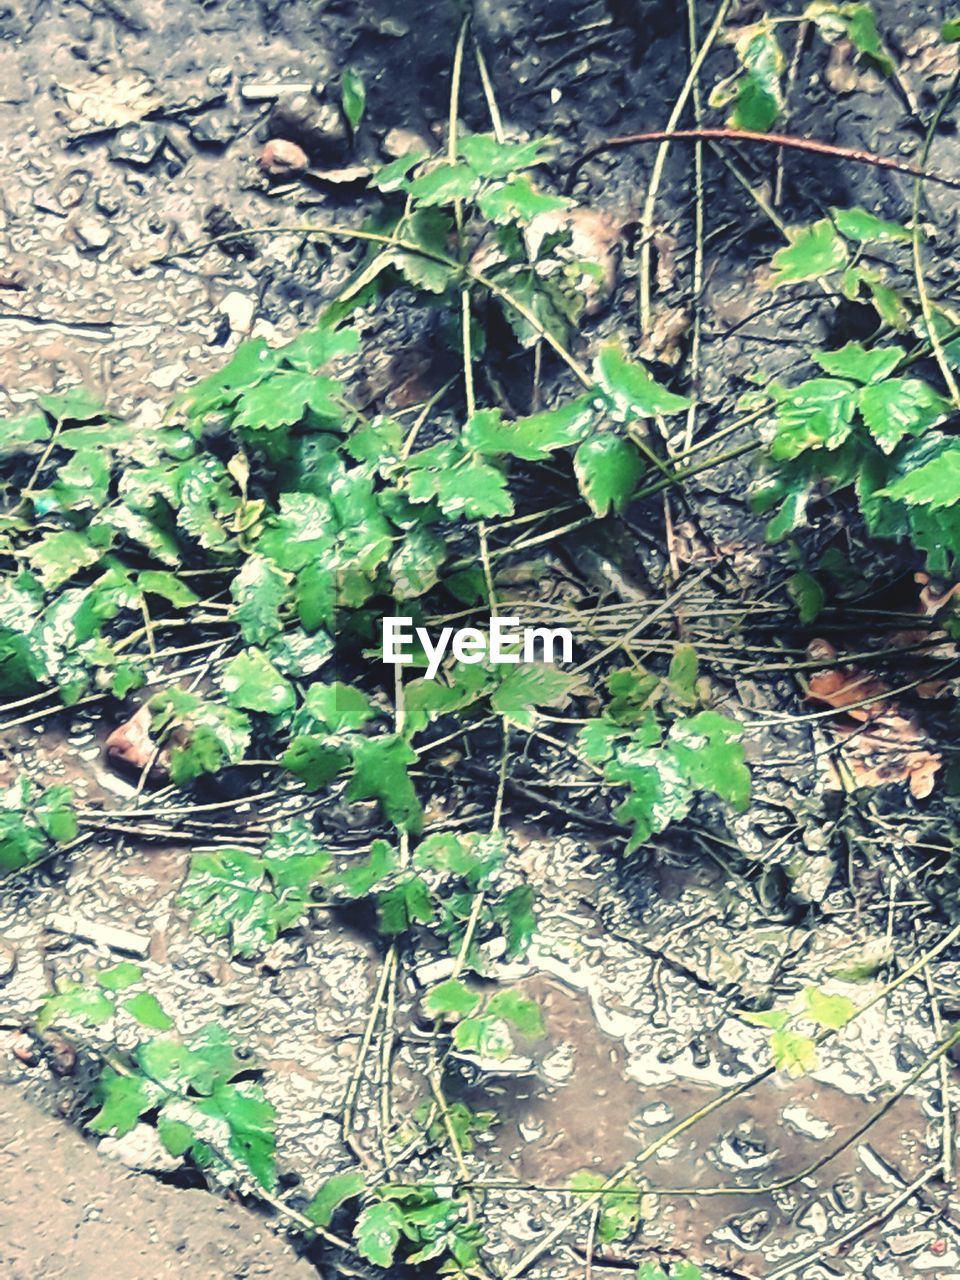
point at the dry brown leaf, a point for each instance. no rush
(110, 102)
(880, 743)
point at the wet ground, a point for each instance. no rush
(641, 972)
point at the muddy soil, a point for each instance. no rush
(641, 972)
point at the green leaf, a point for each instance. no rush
(759, 96)
(813, 251)
(491, 159)
(817, 414)
(631, 391)
(208, 735)
(57, 557)
(73, 1002)
(516, 916)
(900, 407)
(707, 747)
(828, 1011)
(168, 586)
(120, 976)
(314, 761)
(18, 434)
(332, 1194)
(950, 31)
(414, 566)
(936, 484)
(776, 1019)
(403, 905)
(531, 686)
(857, 22)
(443, 185)
(607, 469)
(337, 707)
(252, 682)
(520, 1012)
(353, 96)
(517, 202)
(148, 1011)
(377, 1232)
(533, 438)
(123, 1099)
(283, 399)
(808, 595)
(380, 773)
(473, 490)
(430, 229)
(250, 1121)
(793, 1053)
(658, 791)
(259, 590)
(486, 1037)
(856, 362)
(681, 678)
(452, 996)
(358, 880)
(866, 228)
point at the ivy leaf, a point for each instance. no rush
(856, 362)
(380, 773)
(517, 201)
(18, 434)
(858, 224)
(950, 31)
(358, 880)
(630, 390)
(658, 791)
(452, 996)
(520, 1012)
(899, 407)
(828, 1011)
(252, 682)
(681, 678)
(282, 400)
(708, 749)
(317, 346)
(533, 438)
(813, 251)
(353, 97)
(337, 707)
(776, 1019)
(123, 1099)
(516, 916)
(607, 469)
(259, 590)
(808, 595)
(531, 686)
(486, 1037)
(377, 1232)
(120, 976)
(793, 1053)
(334, 1192)
(250, 1121)
(414, 566)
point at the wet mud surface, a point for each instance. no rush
(642, 970)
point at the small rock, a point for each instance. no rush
(318, 127)
(137, 145)
(93, 234)
(281, 158)
(130, 747)
(216, 129)
(405, 142)
(814, 1219)
(8, 960)
(108, 201)
(905, 1242)
(25, 1050)
(141, 1149)
(60, 1054)
(72, 188)
(239, 310)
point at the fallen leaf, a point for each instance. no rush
(103, 100)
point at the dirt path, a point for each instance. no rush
(65, 1211)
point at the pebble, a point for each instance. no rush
(405, 142)
(137, 145)
(280, 158)
(318, 127)
(93, 234)
(216, 130)
(141, 1149)
(239, 310)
